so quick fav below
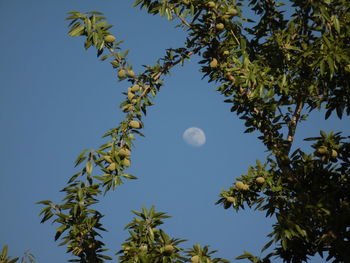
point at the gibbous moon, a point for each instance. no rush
(194, 136)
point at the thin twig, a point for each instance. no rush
(184, 21)
(293, 124)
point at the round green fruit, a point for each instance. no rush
(347, 68)
(131, 74)
(124, 152)
(130, 96)
(109, 38)
(126, 162)
(226, 52)
(214, 63)
(112, 167)
(211, 4)
(128, 108)
(195, 259)
(135, 88)
(242, 186)
(322, 150)
(260, 180)
(135, 125)
(230, 77)
(232, 12)
(334, 154)
(220, 26)
(143, 248)
(168, 249)
(121, 74)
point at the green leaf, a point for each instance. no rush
(137, 2)
(267, 245)
(105, 257)
(129, 176)
(77, 31)
(336, 24)
(45, 202)
(4, 251)
(80, 157)
(89, 167)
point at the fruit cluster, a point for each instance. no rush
(326, 154)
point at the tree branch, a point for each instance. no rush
(293, 124)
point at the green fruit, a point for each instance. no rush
(135, 125)
(260, 180)
(232, 12)
(334, 153)
(195, 259)
(231, 199)
(322, 150)
(131, 74)
(108, 159)
(347, 68)
(226, 52)
(112, 167)
(135, 88)
(211, 4)
(109, 38)
(242, 186)
(130, 96)
(143, 248)
(126, 162)
(128, 108)
(168, 249)
(134, 101)
(220, 26)
(186, 2)
(124, 152)
(121, 74)
(214, 63)
(230, 77)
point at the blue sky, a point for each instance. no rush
(57, 99)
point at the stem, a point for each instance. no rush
(184, 21)
(234, 35)
(293, 124)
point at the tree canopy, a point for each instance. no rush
(274, 71)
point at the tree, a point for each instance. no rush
(274, 71)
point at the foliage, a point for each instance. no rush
(274, 72)
(148, 243)
(4, 258)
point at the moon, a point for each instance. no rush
(194, 136)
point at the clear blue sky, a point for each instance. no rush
(57, 99)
